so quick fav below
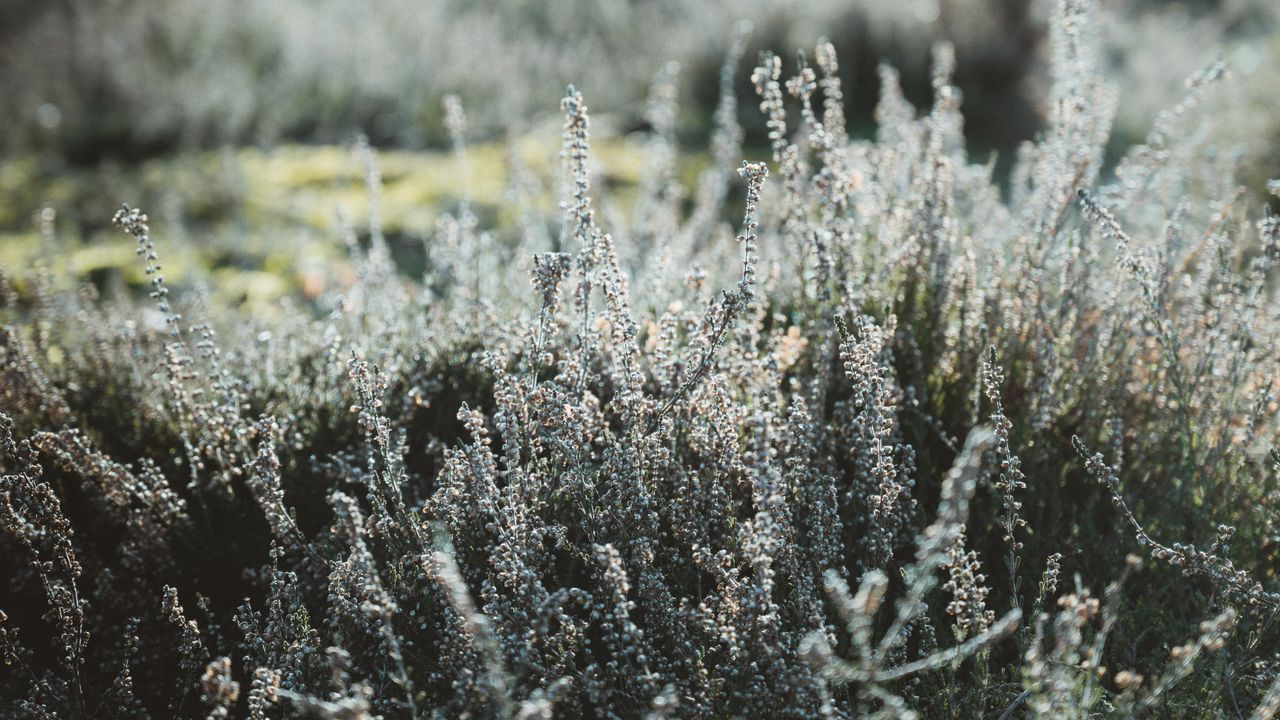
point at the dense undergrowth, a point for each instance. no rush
(904, 443)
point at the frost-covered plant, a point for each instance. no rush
(638, 470)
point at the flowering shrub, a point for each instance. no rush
(863, 456)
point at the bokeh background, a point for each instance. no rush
(235, 123)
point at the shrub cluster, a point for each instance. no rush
(903, 444)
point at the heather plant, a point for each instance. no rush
(854, 434)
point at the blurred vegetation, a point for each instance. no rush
(219, 206)
(95, 79)
(235, 121)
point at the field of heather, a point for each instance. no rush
(653, 360)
